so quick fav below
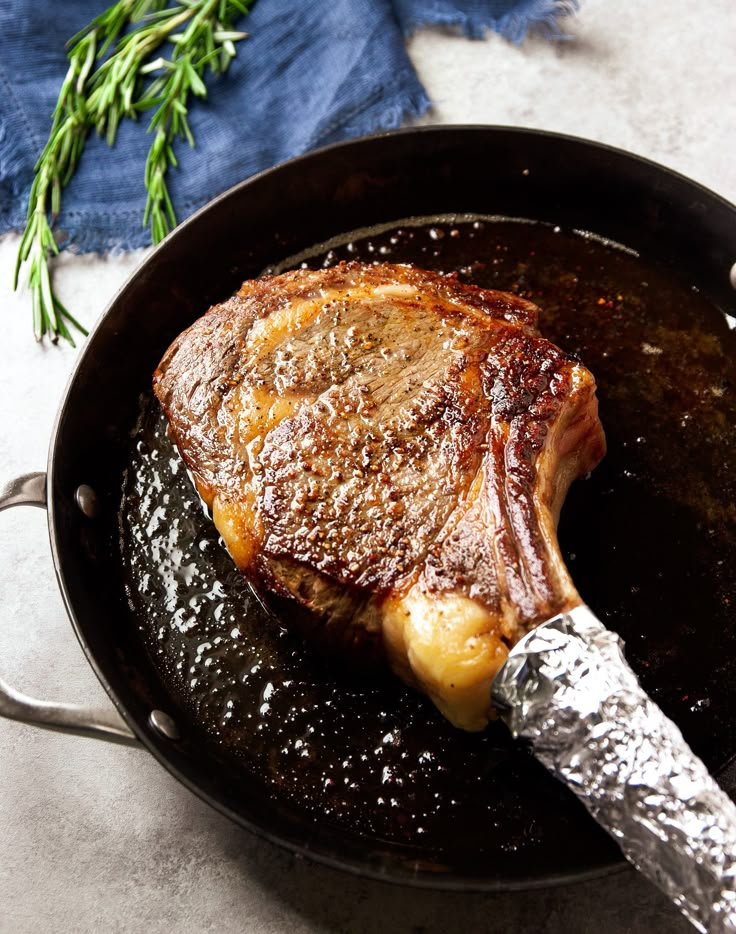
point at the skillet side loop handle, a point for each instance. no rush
(30, 490)
(567, 688)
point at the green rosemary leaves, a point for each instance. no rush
(112, 75)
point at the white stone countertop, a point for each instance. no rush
(99, 838)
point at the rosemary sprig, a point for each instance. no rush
(98, 92)
(57, 163)
(202, 45)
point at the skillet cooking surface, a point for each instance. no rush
(650, 539)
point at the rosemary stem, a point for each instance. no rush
(101, 89)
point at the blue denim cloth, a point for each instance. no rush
(310, 74)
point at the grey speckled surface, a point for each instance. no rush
(96, 838)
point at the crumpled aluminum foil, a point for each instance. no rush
(567, 688)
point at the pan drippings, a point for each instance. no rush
(650, 539)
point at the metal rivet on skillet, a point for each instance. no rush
(86, 498)
(733, 276)
(163, 724)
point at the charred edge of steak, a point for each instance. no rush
(332, 626)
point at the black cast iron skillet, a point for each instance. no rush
(480, 170)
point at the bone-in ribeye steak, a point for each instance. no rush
(389, 448)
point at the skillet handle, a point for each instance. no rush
(30, 490)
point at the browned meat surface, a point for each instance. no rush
(390, 448)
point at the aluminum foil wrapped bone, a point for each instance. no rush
(567, 688)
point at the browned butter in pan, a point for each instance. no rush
(650, 539)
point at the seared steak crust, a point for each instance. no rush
(374, 438)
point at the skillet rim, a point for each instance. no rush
(399, 873)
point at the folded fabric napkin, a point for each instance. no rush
(310, 74)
